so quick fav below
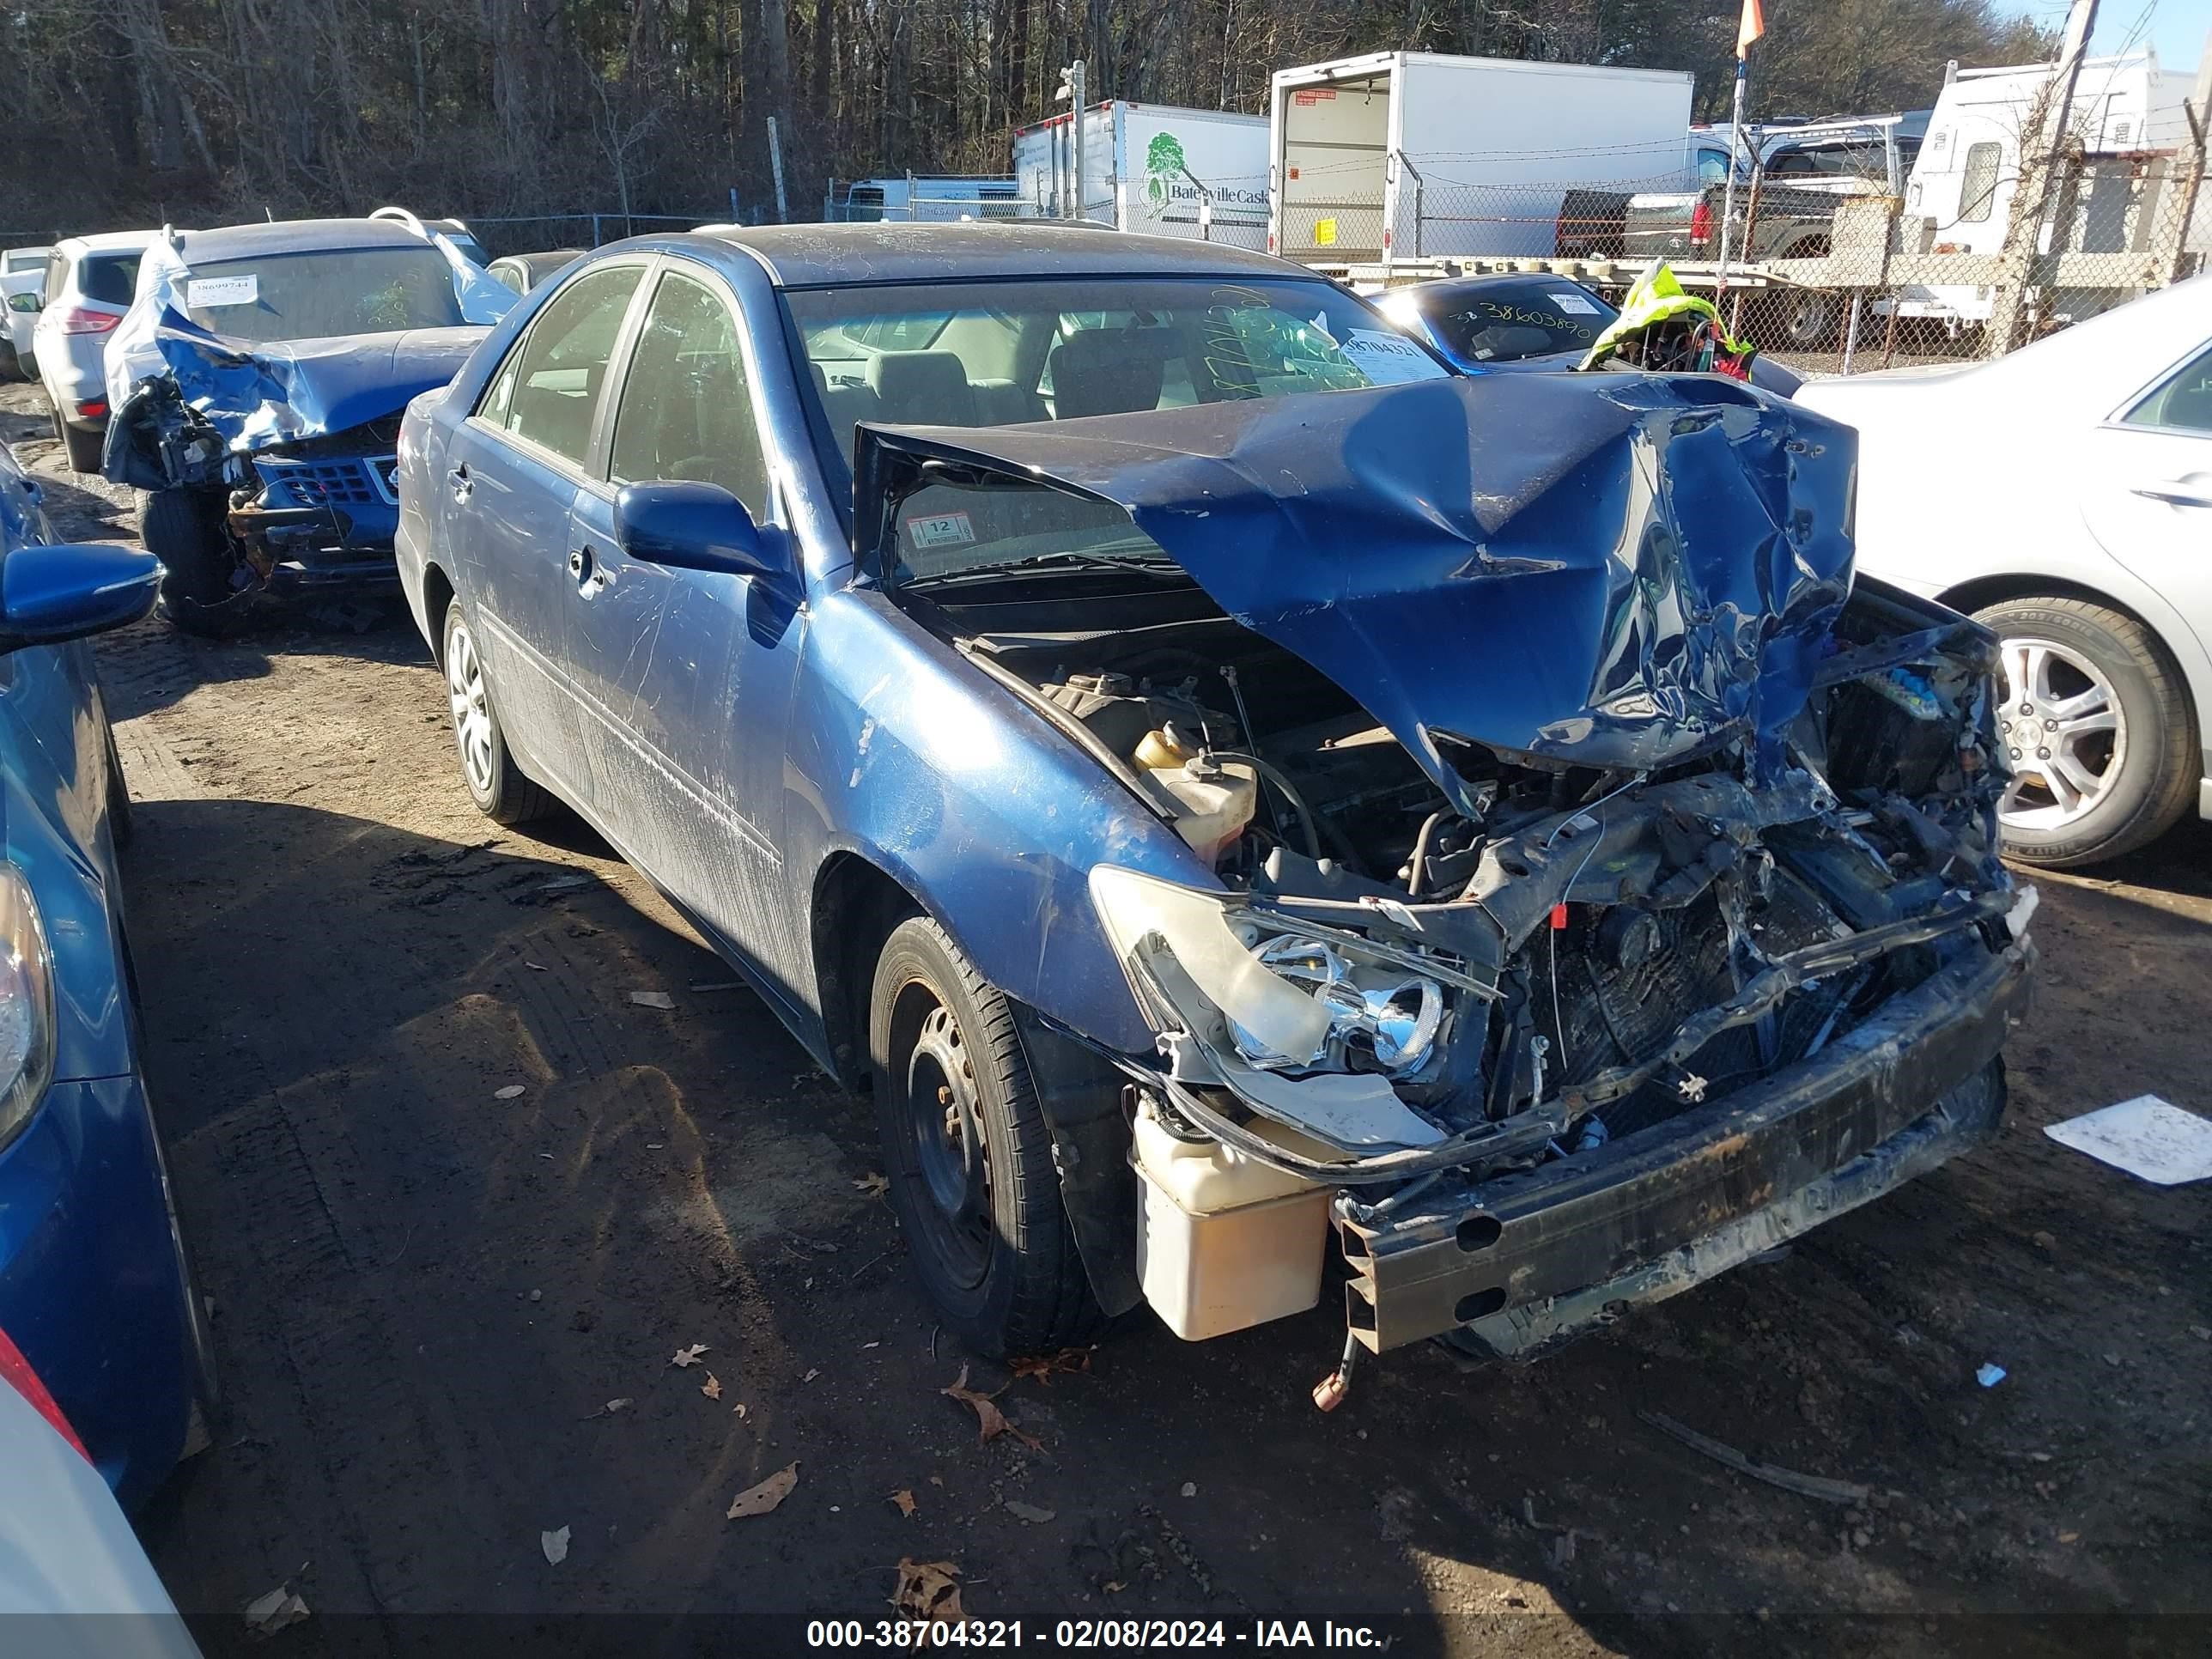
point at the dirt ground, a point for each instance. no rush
(446, 1310)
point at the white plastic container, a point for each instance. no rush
(1215, 806)
(1223, 1241)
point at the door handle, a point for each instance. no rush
(2176, 492)
(583, 570)
(463, 484)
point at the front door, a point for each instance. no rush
(685, 676)
(513, 470)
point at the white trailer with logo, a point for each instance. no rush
(1152, 168)
(1417, 155)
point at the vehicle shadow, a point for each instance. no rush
(459, 1197)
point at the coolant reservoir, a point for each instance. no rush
(1224, 1241)
(1214, 802)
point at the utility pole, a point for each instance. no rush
(2042, 162)
(1070, 88)
(2197, 112)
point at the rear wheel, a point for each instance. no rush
(2093, 713)
(969, 1156)
(182, 528)
(500, 788)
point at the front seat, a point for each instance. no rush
(922, 388)
(1107, 371)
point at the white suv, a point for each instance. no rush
(90, 283)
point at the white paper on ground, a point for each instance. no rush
(2147, 1137)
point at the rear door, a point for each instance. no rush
(685, 675)
(509, 491)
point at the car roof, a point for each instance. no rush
(805, 256)
(106, 241)
(1448, 289)
(295, 236)
(543, 259)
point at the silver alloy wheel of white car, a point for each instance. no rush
(2061, 721)
(464, 690)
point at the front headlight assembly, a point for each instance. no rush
(26, 1005)
(1309, 1024)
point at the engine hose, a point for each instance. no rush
(1267, 769)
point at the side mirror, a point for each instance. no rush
(28, 304)
(50, 593)
(693, 527)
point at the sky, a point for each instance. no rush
(2175, 27)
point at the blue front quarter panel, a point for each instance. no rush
(989, 816)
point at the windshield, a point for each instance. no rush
(981, 353)
(310, 296)
(1503, 321)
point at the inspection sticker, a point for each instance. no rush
(211, 291)
(1571, 302)
(940, 530)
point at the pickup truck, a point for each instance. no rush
(1686, 225)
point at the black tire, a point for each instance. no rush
(1001, 1263)
(501, 790)
(183, 529)
(83, 448)
(2154, 747)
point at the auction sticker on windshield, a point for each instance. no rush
(939, 530)
(1385, 359)
(1572, 302)
(222, 291)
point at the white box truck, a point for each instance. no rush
(1153, 168)
(1416, 154)
(2127, 118)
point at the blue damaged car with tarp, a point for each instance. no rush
(257, 383)
(1222, 780)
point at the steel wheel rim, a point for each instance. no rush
(944, 1135)
(2061, 722)
(465, 694)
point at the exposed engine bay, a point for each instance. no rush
(1605, 888)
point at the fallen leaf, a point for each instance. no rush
(993, 1420)
(811, 1373)
(712, 1387)
(1042, 1366)
(613, 1407)
(652, 998)
(872, 1185)
(1029, 1512)
(270, 1613)
(904, 1499)
(555, 1545)
(689, 1356)
(740, 1408)
(759, 1500)
(928, 1589)
(513, 1091)
(2068, 1537)
(537, 966)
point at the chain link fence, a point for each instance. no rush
(1832, 276)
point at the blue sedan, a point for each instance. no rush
(94, 1285)
(1216, 775)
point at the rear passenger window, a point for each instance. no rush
(2184, 403)
(550, 385)
(1977, 185)
(685, 412)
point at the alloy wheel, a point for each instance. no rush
(2061, 721)
(464, 690)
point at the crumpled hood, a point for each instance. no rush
(1602, 570)
(259, 395)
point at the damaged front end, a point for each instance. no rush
(304, 513)
(1602, 890)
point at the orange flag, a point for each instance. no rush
(1752, 26)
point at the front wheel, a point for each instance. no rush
(2093, 715)
(969, 1156)
(500, 788)
(183, 528)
